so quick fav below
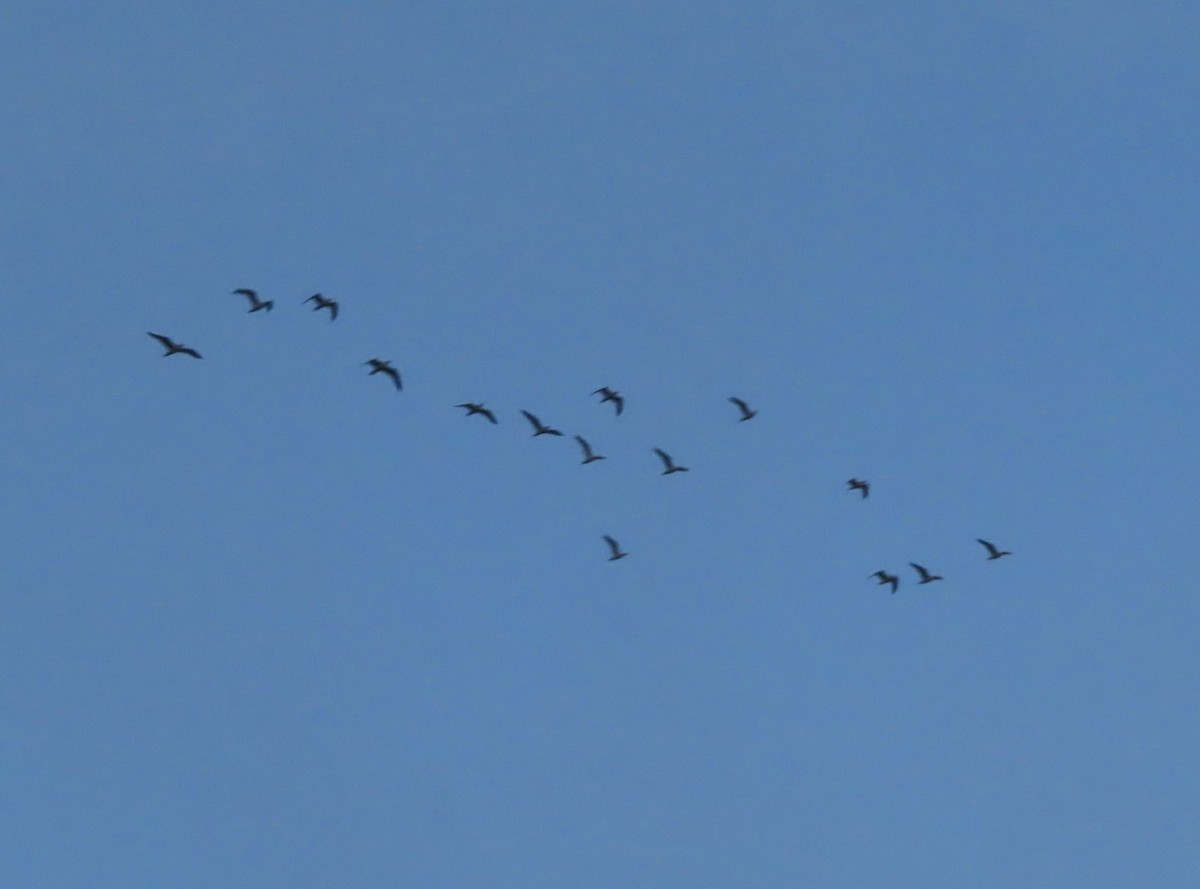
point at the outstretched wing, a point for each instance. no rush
(920, 569)
(333, 309)
(745, 408)
(247, 292)
(587, 448)
(612, 545)
(536, 423)
(991, 547)
(665, 457)
(167, 342)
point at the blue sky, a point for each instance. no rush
(268, 622)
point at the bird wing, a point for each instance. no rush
(487, 413)
(166, 341)
(395, 375)
(665, 457)
(603, 390)
(333, 309)
(587, 448)
(620, 404)
(192, 352)
(745, 408)
(612, 544)
(991, 547)
(537, 424)
(246, 291)
(924, 572)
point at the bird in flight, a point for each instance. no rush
(589, 456)
(255, 302)
(473, 408)
(612, 395)
(884, 577)
(323, 303)
(926, 577)
(379, 366)
(173, 347)
(860, 485)
(670, 464)
(993, 553)
(747, 413)
(616, 549)
(539, 428)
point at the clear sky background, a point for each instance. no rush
(266, 622)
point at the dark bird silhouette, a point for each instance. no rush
(174, 348)
(539, 428)
(884, 577)
(255, 302)
(323, 303)
(926, 577)
(612, 395)
(379, 366)
(668, 462)
(589, 456)
(747, 413)
(616, 549)
(860, 485)
(473, 408)
(993, 553)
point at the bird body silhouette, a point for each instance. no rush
(323, 303)
(612, 395)
(884, 577)
(615, 548)
(993, 552)
(174, 348)
(379, 366)
(859, 485)
(589, 456)
(539, 428)
(473, 408)
(747, 413)
(671, 465)
(256, 304)
(926, 577)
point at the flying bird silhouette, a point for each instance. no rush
(747, 413)
(884, 577)
(255, 302)
(612, 395)
(616, 549)
(860, 485)
(668, 462)
(473, 408)
(379, 366)
(539, 428)
(926, 577)
(323, 303)
(589, 456)
(174, 348)
(993, 552)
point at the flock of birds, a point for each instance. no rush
(607, 394)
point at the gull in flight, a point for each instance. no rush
(539, 428)
(174, 348)
(323, 303)
(884, 577)
(926, 577)
(668, 462)
(612, 395)
(379, 366)
(589, 456)
(993, 552)
(616, 549)
(747, 413)
(255, 302)
(473, 408)
(859, 485)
